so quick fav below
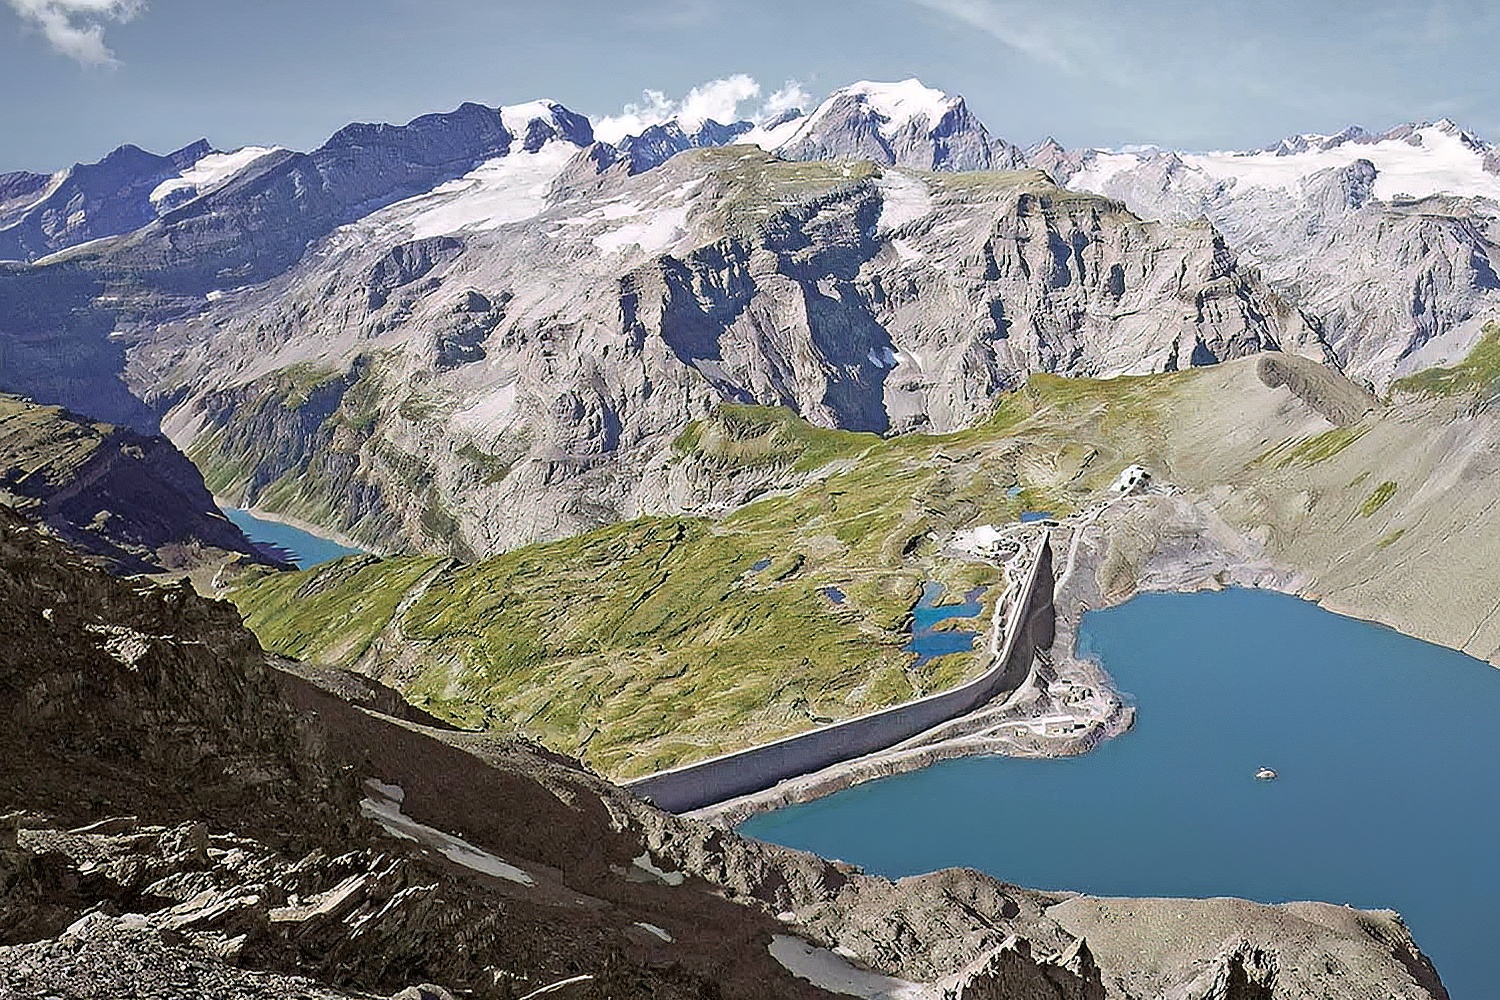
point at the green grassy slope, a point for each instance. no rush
(655, 642)
(1478, 375)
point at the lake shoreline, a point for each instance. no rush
(1195, 551)
(316, 530)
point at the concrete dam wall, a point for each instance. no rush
(1031, 625)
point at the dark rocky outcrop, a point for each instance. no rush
(1339, 400)
(131, 499)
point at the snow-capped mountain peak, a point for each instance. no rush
(901, 124)
(536, 123)
(900, 105)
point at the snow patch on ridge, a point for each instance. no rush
(209, 172)
(652, 235)
(498, 192)
(773, 137)
(384, 807)
(903, 199)
(1103, 167)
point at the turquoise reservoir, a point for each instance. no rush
(1388, 751)
(283, 541)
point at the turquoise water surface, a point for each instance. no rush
(282, 541)
(1388, 751)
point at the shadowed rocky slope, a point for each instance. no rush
(132, 499)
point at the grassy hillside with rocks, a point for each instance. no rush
(671, 638)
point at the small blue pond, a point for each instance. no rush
(1027, 517)
(1388, 750)
(282, 541)
(927, 640)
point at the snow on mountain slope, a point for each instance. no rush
(1432, 160)
(897, 105)
(904, 104)
(206, 174)
(904, 124)
(772, 135)
(500, 191)
(904, 199)
(1390, 243)
(1424, 161)
(518, 117)
(536, 123)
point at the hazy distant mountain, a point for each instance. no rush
(39, 215)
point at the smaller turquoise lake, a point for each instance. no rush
(282, 541)
(1388, 750)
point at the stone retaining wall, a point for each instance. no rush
(1031, 626)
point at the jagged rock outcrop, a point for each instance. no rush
(1007, 974)
(133, 500)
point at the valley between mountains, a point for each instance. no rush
(654, 447)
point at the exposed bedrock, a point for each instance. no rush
(521, 369)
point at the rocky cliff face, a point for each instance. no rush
(180, 815)
(456, 362)
(133, 500)
(1387, 242)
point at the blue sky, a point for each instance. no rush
(78, 77)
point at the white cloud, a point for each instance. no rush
(718, 99)
(722, 100)
(76, 27)
(634, 119)
(792, 97)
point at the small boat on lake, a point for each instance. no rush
(1265, 774)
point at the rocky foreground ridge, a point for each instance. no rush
(184, 816)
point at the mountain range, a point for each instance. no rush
(413, 326)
